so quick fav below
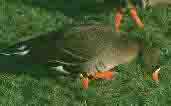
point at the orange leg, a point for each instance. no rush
(118, 19)
(135, 17)
(108, 75)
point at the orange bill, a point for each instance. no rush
(155, 75)
(108, 75)
(85, 82)
(135, 17)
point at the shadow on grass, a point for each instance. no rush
(72, 8)
(35, 63)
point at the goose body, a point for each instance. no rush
(86, 48)
(99, 47)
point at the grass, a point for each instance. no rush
(33, 84)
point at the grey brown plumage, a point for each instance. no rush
(86, 48)
(100, 47)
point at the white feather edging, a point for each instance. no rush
(60, 69)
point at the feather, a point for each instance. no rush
(60, 69)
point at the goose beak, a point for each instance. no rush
(155, 75)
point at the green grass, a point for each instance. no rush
(24, 18)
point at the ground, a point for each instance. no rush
(23, 18)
